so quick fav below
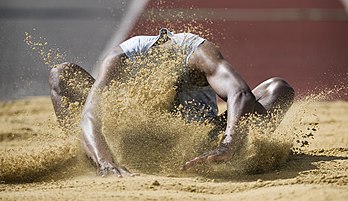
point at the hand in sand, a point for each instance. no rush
(106, 168)
(222, 153)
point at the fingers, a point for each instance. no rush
(125, 171)
(120, 172)
(217, 158)
(197, 160)
(116, 172)
(102, 173)
(214, 156)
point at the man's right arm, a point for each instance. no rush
(93, 140)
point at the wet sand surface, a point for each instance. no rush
(38, 162)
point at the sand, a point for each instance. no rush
(39, 162)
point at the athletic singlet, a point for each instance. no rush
(199, 102)
(141, 44)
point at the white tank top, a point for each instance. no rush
(141, 44)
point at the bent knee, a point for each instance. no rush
(277, 82)
(64, 65)
(56, 73)
(58, 69)
(246, 96)
(278, 85)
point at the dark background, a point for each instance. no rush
(303, 41)
(80, 29)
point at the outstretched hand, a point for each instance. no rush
(220, 154)
(110, 168)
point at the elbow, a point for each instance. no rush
(86, 114)
(240, 93)
(86, 117)
(243, 99)
(246, 97)
(88, 126)
(84, 120)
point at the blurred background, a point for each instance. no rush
(303, 41)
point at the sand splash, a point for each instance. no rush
(143, 132)
(147, 136)
(36, 159)
(31, 145)
(49, 55)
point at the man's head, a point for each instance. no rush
(164, 36)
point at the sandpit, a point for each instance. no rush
(39, 162)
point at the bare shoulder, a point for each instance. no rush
(206, 57)
(111, 66)
(209, 48)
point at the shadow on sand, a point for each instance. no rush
(297, 163)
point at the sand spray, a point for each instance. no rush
(145, 136)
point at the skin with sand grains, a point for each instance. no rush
(206, 67)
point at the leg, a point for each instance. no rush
(272, 94)
(69, 85)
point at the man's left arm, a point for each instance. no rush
(231, 87)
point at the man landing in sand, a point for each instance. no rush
(208, 75)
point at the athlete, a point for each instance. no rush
(208, 74)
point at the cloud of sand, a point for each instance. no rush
(143, 132)
(35, 158)
(145, 136)
(50, 56)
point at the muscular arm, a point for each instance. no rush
(92, 138)
(231, 87)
